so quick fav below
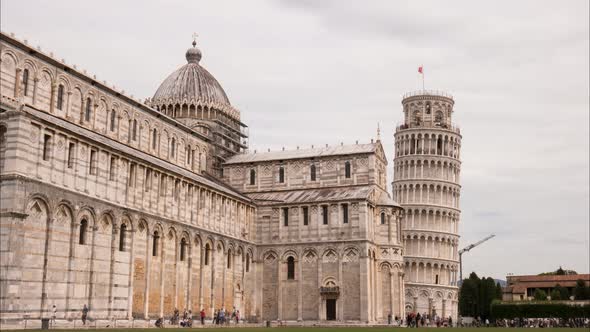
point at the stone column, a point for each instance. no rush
(280, 289)
(189, 286)
(444, 308)
(35, 82)
(415, 304)
(17, 83)
(114, 232)
(52, 98)
(402, 294)
(213, 254)
(340, 301)
(201, 264)
(391, 295)
(300, 290)
(162, 262)
(131, 274)
(320, 303)
(148, 254)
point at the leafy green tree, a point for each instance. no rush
(555, 295)
(498, 292)
(468, 298)
(581, 291)
(563, 292)
(540, 295)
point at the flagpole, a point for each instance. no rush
(423, 90)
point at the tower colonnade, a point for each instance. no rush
(426, 183)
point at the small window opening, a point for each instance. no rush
(347, 169)
(286, 216)
(122, 234)
(252, 177)
(71, 151)
(182, 249)
(155, 242)
(83, 231)
(345, 213)
(325, 214)
(305, 216)
(46, 147)
(281, 174)
(290, 268)
(60, 97)
(207, 253)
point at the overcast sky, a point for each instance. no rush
(317, 72)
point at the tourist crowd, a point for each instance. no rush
(220, 317)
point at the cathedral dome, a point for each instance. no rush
(191, 84)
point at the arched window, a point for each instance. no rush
(436, 279)
(154, 138)
(281, 174)
(438, 117)
(312, 172)
(248, 262)
(172, 147)
(417, 117)
(439, 146)
(252, 177)
(60, 97)
(229, 256)
(155, 242)
(122, 232)
(113, 119)
(83, 231)
(25, 81)
(347, 169)
(182, 249)
(290, 268)
(382, 218)
(134, 130)
(207, 252)
(88, 112)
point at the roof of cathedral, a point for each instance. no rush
(303, 153)
(385, 200)
(202, 179)
(313, 195)
(191, 83)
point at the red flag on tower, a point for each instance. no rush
(420, 70)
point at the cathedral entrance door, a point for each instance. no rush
(330, 309)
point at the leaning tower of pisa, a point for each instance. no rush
(426, 183)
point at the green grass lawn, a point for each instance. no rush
(333, 329)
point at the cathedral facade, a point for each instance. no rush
(135, 208)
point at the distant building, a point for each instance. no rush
(523, 287)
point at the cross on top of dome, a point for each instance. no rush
(193, 55)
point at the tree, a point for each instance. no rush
(581, 292)
(468, 298)
(498, 291)
(555, 295)
(563, 292)
(476, 295)
(540, 295)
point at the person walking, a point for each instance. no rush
(202, 314)
(84, 314)
(389, 318)
(54, 315)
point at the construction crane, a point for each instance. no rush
(466, 249)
